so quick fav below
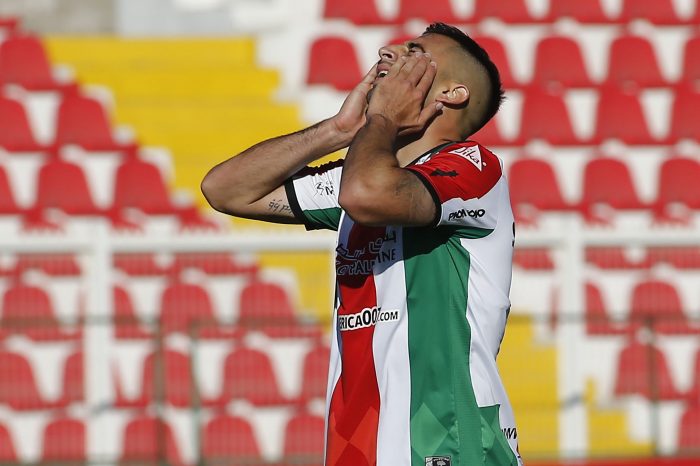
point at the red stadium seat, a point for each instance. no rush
(613, 258)
(126, 324)
(166, 378)
(657, 304)
(533, 184)
(633, 60)
(187, 308)
(230, 440)
(642, 370)
(589, 11)
(509, 11)
(55, 265)
(558, 60)
(344, 74)
(73, 380)
(678, 257)
(490, 135)
(691, 57)
(27, 309)
(684, 124)
(619, 115)
(148, 441)
(267, 307)
(303, 440)
(689, 429)
(18, 388)
(546, 117)
(138, 264)
(655, 11)
(7, 446)
(436, 10)
(15, 132)
(694, 392)
(23, 61)
(315, 373)
(139, 184)
(7, 198)
(597, 318)
(62, 185)
(677, 185)
(64, 440)
(533, 259)
(248, 375)
(83, 121)
(213, 263)
(497, 52)
(359, 11)
(608, 182)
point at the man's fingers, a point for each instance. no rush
(428, 113)
(426, 79)
(420, 64)
(370, 76)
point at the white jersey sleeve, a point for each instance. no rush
(313, 195)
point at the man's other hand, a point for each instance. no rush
(351, 116)
(400, 96)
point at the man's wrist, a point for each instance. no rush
(381, 121)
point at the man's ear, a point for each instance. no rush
(455, 95)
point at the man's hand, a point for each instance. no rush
(399, 97)
(351, 116)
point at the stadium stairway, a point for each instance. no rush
(533, 393)
(203, 99)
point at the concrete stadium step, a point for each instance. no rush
(151, 53)
(203, 99)
(533, 394)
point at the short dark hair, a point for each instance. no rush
(470, 46)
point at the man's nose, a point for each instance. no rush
(392, 52)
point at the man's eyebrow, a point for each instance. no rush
(415, 45)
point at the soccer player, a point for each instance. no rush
(424, 255)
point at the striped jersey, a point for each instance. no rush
(419, 318)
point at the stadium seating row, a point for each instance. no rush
(558, 59)
(545, 115)
(63, 185)
(184, 308)
(365, 12)
(167, 377)
(225, 439)
(606, 181)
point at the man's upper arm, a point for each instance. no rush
(461, 178)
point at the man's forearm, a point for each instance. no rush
(371, 157)
(259, 170)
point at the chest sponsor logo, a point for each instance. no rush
(367, 317)
(461, 213)
(361, 261)
(472, 154)
(438, 461)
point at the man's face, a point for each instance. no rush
(437, 45)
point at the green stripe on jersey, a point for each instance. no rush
(496, 447)
(445, 420)
(323, 218)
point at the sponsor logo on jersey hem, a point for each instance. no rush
(367, 317)
(438, 461)
(461, 213)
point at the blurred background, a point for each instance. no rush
(139, 327)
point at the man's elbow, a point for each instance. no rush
(359, 204)
(212, 190)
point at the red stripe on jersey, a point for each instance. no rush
(463, 170)
(354, 409)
